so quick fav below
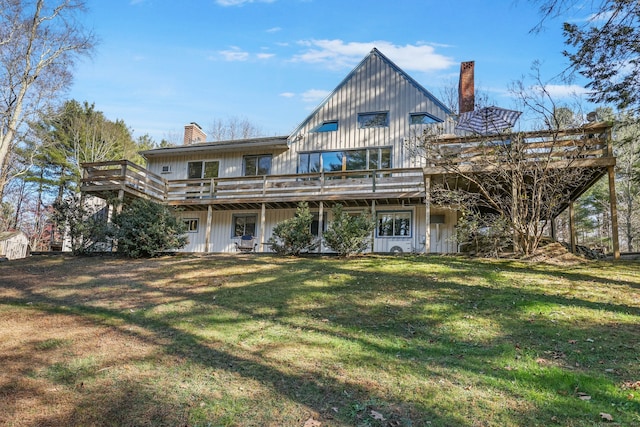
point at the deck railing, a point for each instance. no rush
(123, 175)
(580, 147)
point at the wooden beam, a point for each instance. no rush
(572, 226)
(427, 205)
(320, 224)
(207, 239)
(263, 220)
(614, 213)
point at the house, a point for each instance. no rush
(352, 149)
(14, 245)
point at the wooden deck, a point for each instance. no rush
(587, 148)
(125, 179)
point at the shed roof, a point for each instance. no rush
(272, 143)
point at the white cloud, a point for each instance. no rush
(226, 3)
(234, 54)
(565, 91)
(287, 94)
(265, 55)
(274, 30)
(314, 95)
(338, 54)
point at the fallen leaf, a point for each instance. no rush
(312, 423)
(583, 396)
(605, 416)
(572, 341)
(377, 416)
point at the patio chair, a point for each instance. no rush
(247, 243)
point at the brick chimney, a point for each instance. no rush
(466, 89)
(194, 134)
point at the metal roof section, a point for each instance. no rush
(393, 66)
(272, 143)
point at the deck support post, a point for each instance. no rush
(207, 238)
(572, 226)
(320, 225)
(427, 205)
(263, 218)
(614, 212)
(373, 215)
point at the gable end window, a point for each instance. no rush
(423, 119)
(373, 120)
(329, 126)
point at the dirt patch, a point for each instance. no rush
(557, 254)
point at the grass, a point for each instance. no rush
(265, 341)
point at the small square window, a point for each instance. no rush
(423, 119)
(191, 224)
(329, 126)
(373, 120)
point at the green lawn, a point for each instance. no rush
(265, 341)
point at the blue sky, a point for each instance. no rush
(161, 64)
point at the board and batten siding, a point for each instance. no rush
(373, 87)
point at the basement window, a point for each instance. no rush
(191, 224)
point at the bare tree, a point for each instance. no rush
(39, 43)
(233, 128)
(522, 179)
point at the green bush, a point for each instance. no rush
(347, 234)
(87, 231)
(293, 236)
(146, 229)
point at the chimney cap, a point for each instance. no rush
(195, 124)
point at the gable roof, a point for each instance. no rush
(389, 63)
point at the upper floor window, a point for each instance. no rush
(422, 119)
(373, 120)
(203, 169)
(332, 161)
(328, 126)
(257, 165)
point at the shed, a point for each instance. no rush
(14, 245)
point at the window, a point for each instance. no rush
(422, 119)
(380, 158)
(309, 162)
(373, 120)
(244, 225)
(192, 225)
(329, 126)
(336, 161)
(394, 224)
(203, 170)
(166, 169)
(257, 165)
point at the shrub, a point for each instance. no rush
(348, 234)
(86, 230)
(484, 235)
(293, 236)
(146, 229)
